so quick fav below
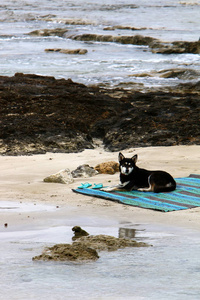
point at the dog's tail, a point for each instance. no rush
(171, 186)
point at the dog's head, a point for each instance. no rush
(126, 165)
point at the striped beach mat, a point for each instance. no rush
(186, 195)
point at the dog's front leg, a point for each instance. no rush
(115, 187)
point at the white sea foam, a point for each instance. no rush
(104, 62)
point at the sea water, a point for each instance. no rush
(168, 269)
(108, 64)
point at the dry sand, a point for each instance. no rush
(21, 181)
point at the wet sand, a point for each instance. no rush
(27, 202)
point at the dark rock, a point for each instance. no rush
(177, 47)
(40, 114)
(78, 232)
(120, 27)
(134, 40)
(154, 44)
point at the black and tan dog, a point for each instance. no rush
(134, 178)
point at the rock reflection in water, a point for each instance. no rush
(127, 233)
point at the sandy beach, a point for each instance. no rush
(21, 183)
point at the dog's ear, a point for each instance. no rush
(121, 156)
(134, 158)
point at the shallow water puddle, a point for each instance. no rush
(24, 206)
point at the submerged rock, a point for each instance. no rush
(63, 176)
(110, 167)
(68, 51)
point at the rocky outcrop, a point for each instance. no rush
(134, 40)
(85, 247)
(177, 47)
(155, 45)
(110, 167)
(40, 114)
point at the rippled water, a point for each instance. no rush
(170, 269)
(105, 63)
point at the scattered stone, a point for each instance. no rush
(110, 167)
(84, 171)
(68, 51)
(78, 232)
(63, 176)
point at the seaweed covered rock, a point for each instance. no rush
(67, 252)
(42, 114)
(103, 242)
(85, 247)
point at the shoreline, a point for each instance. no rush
(51, 204)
